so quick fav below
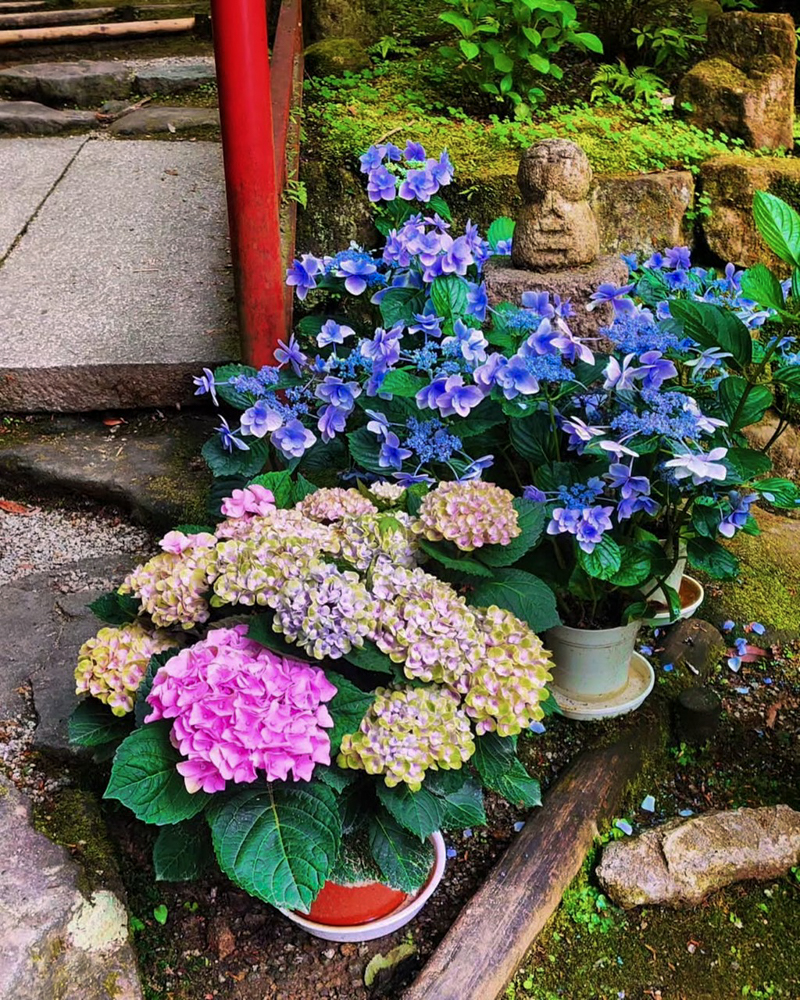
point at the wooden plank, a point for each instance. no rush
(491, 936)
(42, 18)
(95, 32)
(8, 6)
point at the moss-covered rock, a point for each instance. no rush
(730, 183)
(768, 588)
(336, 56)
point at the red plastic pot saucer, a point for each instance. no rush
(348, 905)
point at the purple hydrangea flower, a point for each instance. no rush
(229, 439)
(290, 354)
(356, 273)
(382, 185)
(535, 494)
(740, 512)
(293, 440)
(656, 369)
(205, 383)
(457, 397)
(515, 378)
(392, 455)
(332, 421)
(415, 152)
(333, 333)
(617, 295)
(303, 274)
(679, 258)
(702, 468)
(587, 525)
(261, 419)
(419, 185)
(338, 393)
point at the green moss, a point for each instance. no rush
(336, 56)
(112, 986)
(74, 821)
(718, 73)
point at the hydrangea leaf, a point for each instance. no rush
(531, 518)
(260, 630)
(402, 383)
(604, 562)
(347, 707)
(115, 609)
(439, 205)
(182, 852)
(364, 448)
(746, 463)
(236, 462)
(281, 485)
(303, 488)
(779, 226)
(421, 812)
(145, 779)
(461, 564)
(712, 326)
(445, 781)
(369, 657)
(501, 229)
(399, 305)
(239, 400)
(194, 529)
(521, 593)
(730, 393)
(335, 777)
(712, 558)
(464, 807)
(635, 567)
(779, 492)
(405, 861)
(140, 708)
(501, 770)
(531, 437)
(761, 285)
(92, 724)
(449, 296)
(278, 843)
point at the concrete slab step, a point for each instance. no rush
(31, 118)
(120, 288)
(90, 82)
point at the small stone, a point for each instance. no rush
(556, 227)
(348, 950)
(697, 714)
(220, 938)
(146, 121)
(680, 863)
(30, 118)
(692, 641)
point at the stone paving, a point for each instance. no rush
(115, 283)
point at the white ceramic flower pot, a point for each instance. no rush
(654, 593)
(404, 913)
(692, 594)
(591, 664)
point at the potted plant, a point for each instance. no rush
(289, 692)
(621, 461)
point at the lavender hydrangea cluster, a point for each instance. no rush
(112, 664)
(239, 708)
(407, 732)
(470, 515)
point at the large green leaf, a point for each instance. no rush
(281, 485)
(530, 518)
(531, 437)
(347, 707)
(92, 724)
(758, 401)
(500, 229)
(364, 449)
(278, 843)
(713, 558)
(402, 383)
(788, 375)
(779, 492)
(747, 463)
(604, 561)
(635, 567)
(239, 400)
(461, 564)
(713, 326)
(521, 593)
(399, 305)
(140, 707)
(145, 779)
(421, 813)
(464, 806)
(500, 769)
(236, 462)
(449, 296)
(369, 657)
(761, 285)
(405, 861)
(183, 852)
(115, 609)
(779, 225)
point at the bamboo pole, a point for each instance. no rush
(8, 6)
(44, 18)
(93, 32)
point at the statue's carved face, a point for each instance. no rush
(555, 166)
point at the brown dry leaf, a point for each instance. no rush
(114, 421)
(12, 507)
(771, 715)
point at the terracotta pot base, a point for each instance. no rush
(348, 905)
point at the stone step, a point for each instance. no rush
(117, 285)
(42, 18)
(159, 119)
(97, 32)
(31, 118)
(88, 83)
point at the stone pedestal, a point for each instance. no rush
(746, 86)
(506, 284)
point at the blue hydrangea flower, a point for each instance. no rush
(205, 383)
(293, 440)
(303, 274)
(333, 333)
(356, 274)
(229, 439)
(290, 354)
(261, 419)
(392, 455)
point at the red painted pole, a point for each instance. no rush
(243, 78)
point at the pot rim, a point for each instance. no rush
(595, 631)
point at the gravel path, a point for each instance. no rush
(45, 537)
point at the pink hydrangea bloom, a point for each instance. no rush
(240, 708)
(333, 504)
(253, 499)
(470, 515)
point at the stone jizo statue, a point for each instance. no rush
(556, 227)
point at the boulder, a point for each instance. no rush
(730, 183)
(506, 284)
(56, 942)
(335, 57)
(640, 213)
(680, 863)
(746, 86)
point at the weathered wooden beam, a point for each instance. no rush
(484, 947)
(95, 32)
(43, 18)
(9, 6)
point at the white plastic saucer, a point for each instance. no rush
(641, 678)
(404, 913)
